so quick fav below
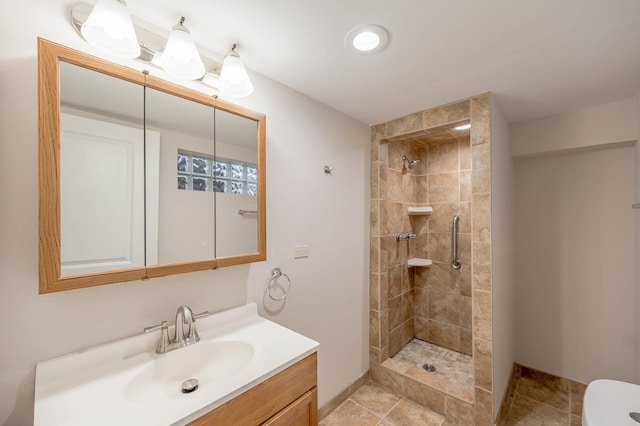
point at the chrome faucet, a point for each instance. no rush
(184, 316)
(404, 236)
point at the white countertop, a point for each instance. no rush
(94, 386)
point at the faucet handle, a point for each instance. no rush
(164, 336)
(201, 315)
(160, 326)
(193, 333)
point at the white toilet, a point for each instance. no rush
(610, 403)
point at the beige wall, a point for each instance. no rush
(503, 253)
(304, 206)
(186, 230)
(574, 263)
(582, 235)
(579, 128)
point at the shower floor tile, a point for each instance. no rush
(454, 370)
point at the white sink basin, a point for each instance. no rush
(127, 383)
(209, 362)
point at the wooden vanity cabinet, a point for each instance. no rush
(290, 398)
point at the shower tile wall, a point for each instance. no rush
(443, 294)
(400, 195)
(386, 253)
(431, 304)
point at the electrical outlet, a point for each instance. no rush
(300, 252)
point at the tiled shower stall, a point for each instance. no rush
(439, 304)
(432, 304)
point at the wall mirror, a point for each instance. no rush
(140, 178)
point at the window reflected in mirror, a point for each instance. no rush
(199, 172)
(236, 184)
(186, 219)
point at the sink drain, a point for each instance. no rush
(429, 367)
(635, 416)
(190, 385)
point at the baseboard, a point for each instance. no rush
(334, 402)
(507, 398)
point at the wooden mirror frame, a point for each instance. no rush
(49, 227)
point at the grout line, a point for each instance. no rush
(543, 403)
(357, 403)
(513, 398)
(394, 406)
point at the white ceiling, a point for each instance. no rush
(539, 57)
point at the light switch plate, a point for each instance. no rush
(300, 251)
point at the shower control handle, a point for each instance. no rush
(404, 236)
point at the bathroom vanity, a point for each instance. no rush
(250, 371)
(292, 399)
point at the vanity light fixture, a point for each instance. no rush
(234, 80)
(463, 127)
(110, 29)
(180, 57)
(367, 39)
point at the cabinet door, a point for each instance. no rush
(302, 412)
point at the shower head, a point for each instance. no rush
(410, 162)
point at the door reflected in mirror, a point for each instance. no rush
(101, 172)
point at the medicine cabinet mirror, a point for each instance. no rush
(141, 178)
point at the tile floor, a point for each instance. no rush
(543, 399)
(373, 405)
(538, 399)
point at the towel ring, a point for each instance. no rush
(275, 274)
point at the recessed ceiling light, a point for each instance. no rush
(463, 127)
(367, 39)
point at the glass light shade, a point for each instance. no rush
(109, 28)
(234, 80)
(180, 57)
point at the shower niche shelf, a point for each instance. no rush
(416, 261)
(420, 211)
